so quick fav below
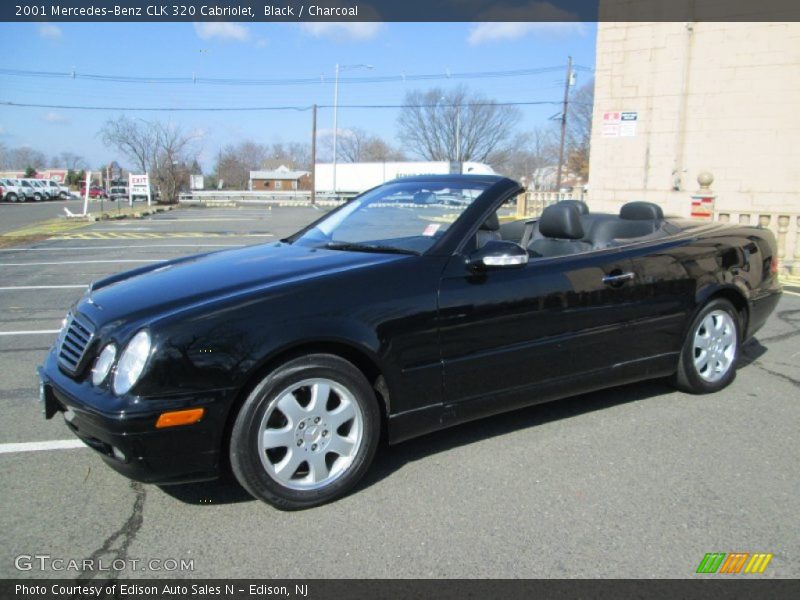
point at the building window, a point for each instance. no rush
(278, 185)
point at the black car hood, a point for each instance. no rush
(176, 284)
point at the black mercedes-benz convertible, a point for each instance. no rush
(408, 309)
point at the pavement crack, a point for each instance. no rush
(115, 547)
(792, 380)
(788, 317)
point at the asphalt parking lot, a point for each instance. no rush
(636, 481)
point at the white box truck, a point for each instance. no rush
(354, 178)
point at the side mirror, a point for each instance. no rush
(498, 254)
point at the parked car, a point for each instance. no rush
(14, 190)
(56, 189)
(2, 192)
(406, 310)
(118, 193)
(94, 192)
(39, 186)
(31, 191)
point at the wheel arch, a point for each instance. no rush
(361, 359)
(733, 294)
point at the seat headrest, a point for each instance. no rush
(492, 223)
(582, 207)
(641, 211)
(562, 221)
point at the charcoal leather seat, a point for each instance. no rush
(561, 230)
(636, 219)
(489, 230)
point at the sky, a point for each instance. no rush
(265, 51)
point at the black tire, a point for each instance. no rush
(246, 462)
(37, 197)
(12, 197)
(689, 378)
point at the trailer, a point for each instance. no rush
(354, 178)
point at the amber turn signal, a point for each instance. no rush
(180, 417)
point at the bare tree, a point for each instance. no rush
(22, 158)
(234, 163)
(175, 153)
(579, 130)
(71, 161)
(161, 149)
(294, 156)
(455, 124)
(528, 156)
(137, 139)
(356, 145)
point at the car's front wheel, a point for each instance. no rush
(711, 349)
(307, 432)
(37, 197)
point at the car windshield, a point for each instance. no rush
(405, 217)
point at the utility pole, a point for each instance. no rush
(313, 155)
(565, 109)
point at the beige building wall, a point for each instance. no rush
(718, 97)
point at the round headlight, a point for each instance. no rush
(131, 362)
(103, 364)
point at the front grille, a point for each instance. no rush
(75, 340)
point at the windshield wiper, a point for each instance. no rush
(368, 248)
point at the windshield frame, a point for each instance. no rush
(496, 187)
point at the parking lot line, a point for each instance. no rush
(83, 262)
(126, 246)
(39, 446)
(14, 288)
(133, 235)
(30, 332)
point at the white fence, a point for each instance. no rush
(532, 202)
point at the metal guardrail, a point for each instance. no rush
(785, 225)
(287, 198)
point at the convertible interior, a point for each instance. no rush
(568, 227)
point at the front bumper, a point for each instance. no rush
(122, 430)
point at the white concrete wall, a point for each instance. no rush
(718, 97)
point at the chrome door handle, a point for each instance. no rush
(619, 278)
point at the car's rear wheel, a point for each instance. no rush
(307, 433)
(12, 197)
(711, 349)
(37, 197)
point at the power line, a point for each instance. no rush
(193, 79)
(269, 108)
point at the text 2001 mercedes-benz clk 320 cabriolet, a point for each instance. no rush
(408, 309)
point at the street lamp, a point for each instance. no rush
(336, 111)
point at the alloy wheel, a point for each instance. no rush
(310, 434)
(714, 345)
